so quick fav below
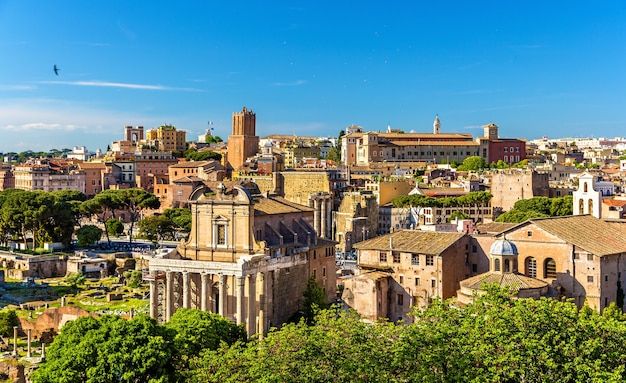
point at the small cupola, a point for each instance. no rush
(503, 255)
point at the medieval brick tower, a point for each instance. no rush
(243, 142)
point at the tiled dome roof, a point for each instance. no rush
(503, 247)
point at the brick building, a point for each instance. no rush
(406, 268)
(243, 143)
(581, 257)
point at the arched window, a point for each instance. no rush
(590, 202)
(507, 266)
(549, 268)
(531, 267)
(585, 187)
(496, 264)
(581, 206)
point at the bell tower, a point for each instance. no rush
(436, 125)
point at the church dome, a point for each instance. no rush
(503, 247)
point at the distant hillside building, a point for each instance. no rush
(365, 148)
(167, 138)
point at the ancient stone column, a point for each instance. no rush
(204, 297)
(14, 340)
(154, 301)
(222, 295)
(28, 352)
(251, 316)
(316, 215)
(261, 290)
(186, 289)
(168, 295)
(322, 232)
(240, 300)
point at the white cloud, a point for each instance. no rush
(293, 83)
(119, 85)
(41, 126)
(17, 87)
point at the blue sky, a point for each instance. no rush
(555, 68)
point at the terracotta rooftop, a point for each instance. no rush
(585, 231)
(277, 205)
(614, 202)
(414, 241)
(494, 227)
(434, 142)
(191, 164)
(514, 281)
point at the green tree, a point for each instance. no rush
(537, 207)
(102, 207)
(88, 235)
(192, 154)
(473, 163)
(75, 279)
(10, 215)
(133, 278)
(339, 348)
(114, 226)
(64, 215)
(135, 201)
(109, 349)
(517, 216)
(154, 228)
(314, 300)
(197, 331)
(562, 206)
(181, 217)
(8, 320)
(213, 139)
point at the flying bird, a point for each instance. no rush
(56, 70)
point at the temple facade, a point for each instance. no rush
(248, 258)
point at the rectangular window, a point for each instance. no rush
(396, 257)
(430, 260)
(383, 256)
(590, 278)
(506, 150)
(474, 268)
(400, 299)
(590, 257)
(221, 234)
(415, 259)
(433, 283)
(401, 279)
(417, 281)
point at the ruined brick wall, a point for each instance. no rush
(288, 287)
(52, 319)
